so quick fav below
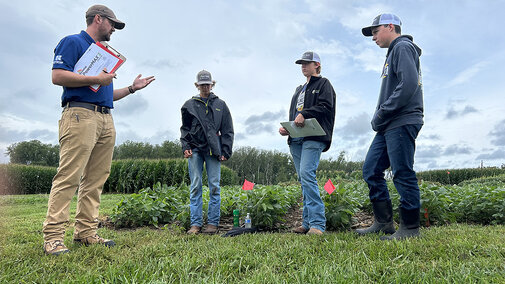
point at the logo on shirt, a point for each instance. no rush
(385, 71)
(300, 101)
(57, 60)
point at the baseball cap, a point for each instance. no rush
(203, 77)
(382, 19)
(309, 56)
(104, 11)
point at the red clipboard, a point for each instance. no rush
(105, 46)
(121, 59)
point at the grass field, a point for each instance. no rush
(450, 254)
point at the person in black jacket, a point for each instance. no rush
(397, 120)
(314, 99)
(206, 136)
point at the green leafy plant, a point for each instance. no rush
(160, 205)
(341, 205)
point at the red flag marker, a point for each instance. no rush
(247, 185)
(427, 217)
(329, 187)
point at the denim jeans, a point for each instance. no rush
(306, 156)
(395, 148)
(213, 167)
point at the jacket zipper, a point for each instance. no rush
(206, 112)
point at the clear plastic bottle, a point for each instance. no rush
(247, 221)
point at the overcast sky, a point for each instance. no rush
(250, 48)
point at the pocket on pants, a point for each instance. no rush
(63, 129)
(77, 123)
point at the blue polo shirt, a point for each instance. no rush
(66, 55)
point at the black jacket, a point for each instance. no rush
(401, 96)
(319, 103)
(207, 127)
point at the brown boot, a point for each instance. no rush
(95, 240)
(210, 229)
(314, 231)
(55, 247)
(300, 230)
(194, 230)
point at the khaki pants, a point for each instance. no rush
(87, 141)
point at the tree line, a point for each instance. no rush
(256, 165)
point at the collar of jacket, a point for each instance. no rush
(212, 96)
(314, 79)
(398, 39)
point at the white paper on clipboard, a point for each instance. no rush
(97, 57)
(311, 128)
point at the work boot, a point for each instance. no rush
(314, 231)
(300, 230)
(409, 225)
(55, 247)
(194, 230)
(210, 229)
(383, 219)
(95, 240)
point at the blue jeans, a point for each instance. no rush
(306, 156)
(395, 148)
(213, 167)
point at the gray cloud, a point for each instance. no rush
(355, 127)
(457, 150)
(453, 113)
(430, 151)
(239, 136)
(238, 51)
(435, 151)
(498, 133)
(9, 136)
(158, 138)
(431, 137)
(160, 64)
(135, 104)
(427, 163)
(35, 105)
(266, 122)
(15, 42)
(495, 155)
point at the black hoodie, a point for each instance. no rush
(207, 127)
(319, 103)
(401, 95)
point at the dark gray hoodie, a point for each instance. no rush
(401, 95)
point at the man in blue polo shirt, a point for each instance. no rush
(86, 134)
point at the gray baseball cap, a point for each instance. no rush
(203, 77)
(104, 11)
(382, 19)
(309, 56)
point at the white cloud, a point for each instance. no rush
(466, 75)
(370, 59)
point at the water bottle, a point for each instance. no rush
(236, 218)
(247, 221)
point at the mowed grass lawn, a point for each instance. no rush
(452, 254)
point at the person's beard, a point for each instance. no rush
(105, 35)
